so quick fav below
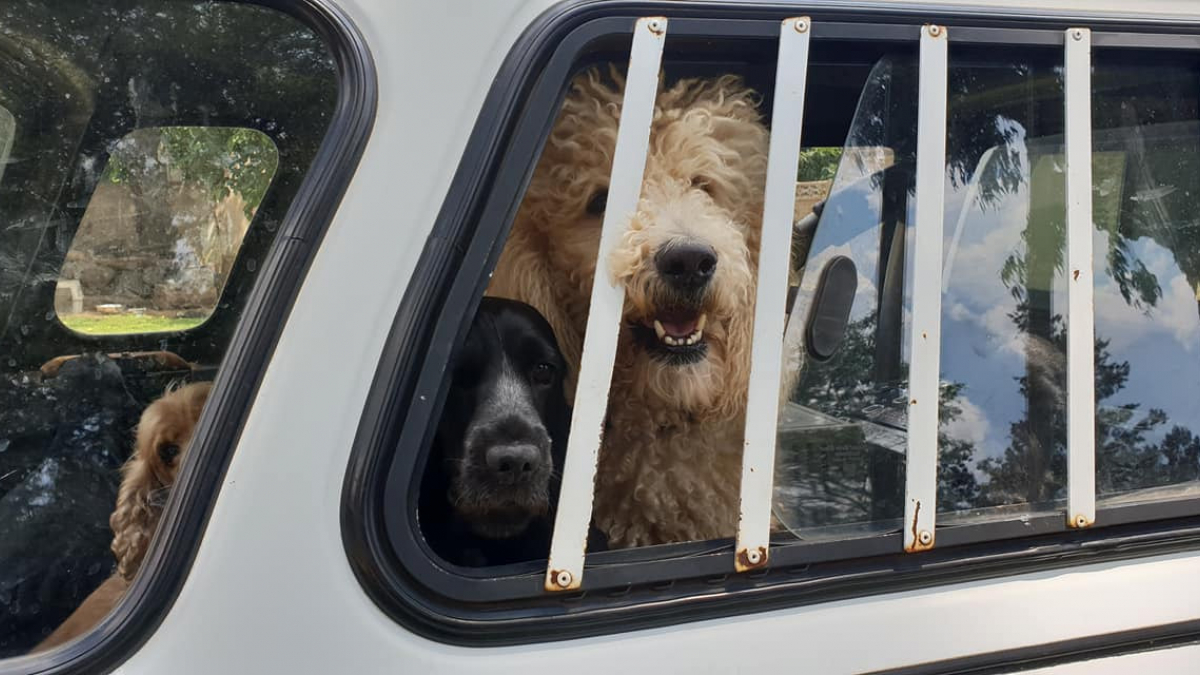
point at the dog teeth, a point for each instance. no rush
(700, 324)
(685, 341)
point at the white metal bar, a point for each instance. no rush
(924, 374)
(574, 512)
(1081, 362)
(762, 406)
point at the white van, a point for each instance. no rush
(986, 456)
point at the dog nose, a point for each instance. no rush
(687, 267)
(514, 463)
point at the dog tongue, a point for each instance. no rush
(679, 327)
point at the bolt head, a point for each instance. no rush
(655, 25)
(563, 578)
(925, 537)
(801, 26)
(753, 557)
(935, 30)
(1077, 34)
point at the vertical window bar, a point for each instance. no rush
(1081, 364)
(574, 513)
(762, 407)
(920, 492)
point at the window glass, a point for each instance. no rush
(1003, 427)
(163, 229)
(153, 152)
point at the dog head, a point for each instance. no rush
(163, 435)
(688, 256)
(502, 435)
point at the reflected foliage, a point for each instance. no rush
(78, 77)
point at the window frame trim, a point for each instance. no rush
(154, 590)
(627, 591)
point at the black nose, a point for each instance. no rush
(514, 463)
(687, 267)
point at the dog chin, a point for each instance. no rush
(499, 514)
(501, 523)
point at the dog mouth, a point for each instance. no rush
(676, 336)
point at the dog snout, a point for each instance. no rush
(514, 463)
(686, 267)
(511, 448)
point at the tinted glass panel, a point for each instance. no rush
(176, 111)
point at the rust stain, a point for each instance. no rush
(1076, 275)
(914, 402)
(924, 335)
(916, 539)
(553, 586)
(743, 559)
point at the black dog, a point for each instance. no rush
(492, 479)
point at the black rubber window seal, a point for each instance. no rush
(659, 586)
(308, 217)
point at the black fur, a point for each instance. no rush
(491, 481)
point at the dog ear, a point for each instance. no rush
(134, 519)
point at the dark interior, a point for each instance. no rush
(78, 77)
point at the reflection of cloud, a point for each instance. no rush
(971, 425)
(1174, 315)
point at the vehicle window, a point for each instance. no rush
(163, 228)
(153, 152)
(665, 509)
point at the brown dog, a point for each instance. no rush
(670, 464)
(163, 435)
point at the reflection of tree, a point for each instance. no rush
(1125, 458)
(996, 112)
(222, 160)
(845, 387)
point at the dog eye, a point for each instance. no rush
(702, 183)
(543, 373)
(598, 202)
(168, 453)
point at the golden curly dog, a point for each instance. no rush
(163, 435)
(670, 463)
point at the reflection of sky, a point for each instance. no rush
(849, 227)
(1162, 344)
(982, 348)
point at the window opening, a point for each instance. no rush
(993, 443)
(163, 229)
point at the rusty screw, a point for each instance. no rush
(925, 537)
(935, 30)
(1077, 34)
(753, 557)
(801, 26)
(655, 26)
(563, 578)
(1081, 521)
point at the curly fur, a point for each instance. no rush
(148, 475)
(671, 458)
(146, 480)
